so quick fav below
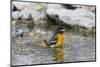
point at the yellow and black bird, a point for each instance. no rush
(57, 39)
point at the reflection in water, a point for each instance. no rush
(59, 54)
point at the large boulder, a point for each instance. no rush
(79, 16)
(76, 15)
(34, 10)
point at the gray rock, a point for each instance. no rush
(80, 16)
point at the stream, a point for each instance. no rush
(28, 50)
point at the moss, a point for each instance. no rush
(39, 7)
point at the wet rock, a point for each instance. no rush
(15, 14)
(69, 14)
(80, 16)
(19, 32)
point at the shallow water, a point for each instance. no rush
(28, 50)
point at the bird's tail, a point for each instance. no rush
(46, 43)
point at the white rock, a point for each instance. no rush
(15, 14)
(22, 5)
(27, 9)
(25, 13)
(80, 16)
(38, 31)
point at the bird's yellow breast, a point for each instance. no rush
(60, 39)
